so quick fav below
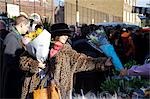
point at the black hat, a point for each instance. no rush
(59, 29)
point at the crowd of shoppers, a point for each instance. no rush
(70, 52)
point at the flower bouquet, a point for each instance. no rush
(98, 40)
(38, 44)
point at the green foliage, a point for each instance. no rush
(46, 24)
(137, 83)
(110, 85)
(130, 63)
(123, 85)
(115, 72)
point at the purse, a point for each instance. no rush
(50, 92)
(54, 91)
(40, 93)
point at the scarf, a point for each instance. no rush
(57, 46)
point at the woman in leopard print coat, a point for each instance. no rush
(68, 62)
(63, 65)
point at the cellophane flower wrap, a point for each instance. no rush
(39, 46)
(98, 40)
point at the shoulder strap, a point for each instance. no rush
(44, 80)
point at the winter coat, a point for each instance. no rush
(63, 66)
(142, 70)
(29, 65)
(12, 75)
(2, 36)
(67, 62)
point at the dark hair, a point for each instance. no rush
(118, 27)
(92, 27)
(130, 28)
(85, 29)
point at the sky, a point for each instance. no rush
(142, 3)
(56, 2)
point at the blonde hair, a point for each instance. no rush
(21, 19)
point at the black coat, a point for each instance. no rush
(3, 34)
(12, 80)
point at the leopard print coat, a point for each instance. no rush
(31, 81)
(63, 66)
(67, 62)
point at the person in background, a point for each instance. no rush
(3, 33)
(127, 45)
(13, 48)
(33, 60)
(137, 70)
(73, 30)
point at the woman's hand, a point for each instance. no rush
(41, 65)
(108, 62)
(123, 72)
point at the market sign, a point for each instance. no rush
(12, 10)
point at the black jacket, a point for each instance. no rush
(3, 34)
(12, 74)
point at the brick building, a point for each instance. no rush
(42, 8)
(90, 11)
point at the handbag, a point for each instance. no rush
(40, 93)
(54, 91)
(50, 92)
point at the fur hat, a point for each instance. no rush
(59, 29)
